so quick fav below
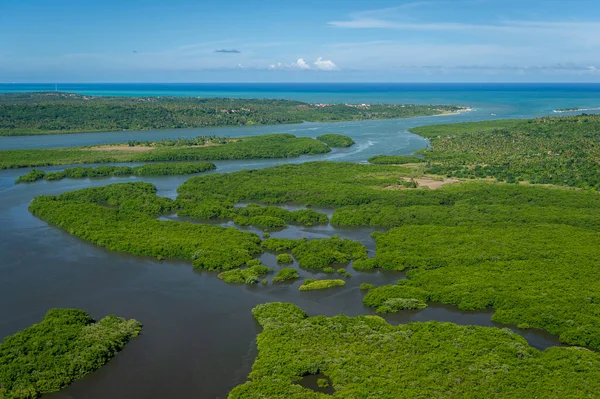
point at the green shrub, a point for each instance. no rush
(66, 345)
(311, 284)
(322, 383)
(122, 217)
(366, 286)
(392, 298)
(321, 253)
(250, 280)
(341, 271)
(368, 358)
(336, 140)
(157, 169)
(285, 274)
(394, 159)
(280, 244)
(364, 264)
(395, 304)
(285, 258)
(267, 221)
(32, 176)
(248, 275)
(272, 216)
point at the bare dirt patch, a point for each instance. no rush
(434, 184)
(424, 182)
(143, 148)
(123, 147)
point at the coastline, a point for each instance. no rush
(460, 111)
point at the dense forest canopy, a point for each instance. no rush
(254, 147)
(122, 217)
(394, 159)
(365, 357)
(156, 169)
(552, 150)
(66, 345)
(457, 241)
(56, 113)
(336, 140)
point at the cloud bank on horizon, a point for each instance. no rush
(354, 40)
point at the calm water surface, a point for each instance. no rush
(199, 334)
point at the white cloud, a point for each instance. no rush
(320, 64)
(579, 33)
(325, 65)
(300, 64)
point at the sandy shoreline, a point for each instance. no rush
(460, 111)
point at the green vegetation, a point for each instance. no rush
(394, 159)
(366, 287)
(249, 275)
(392, 298)
(253, 214)
(285, 258)
(33, 176)
(157, 169)
(286, 274)
(257, 215)
(256, 147)
(198, 141)
(322, 252)
(343, 272)
(176, 168)
(559, 150)
(322, 383)
(312, 284)
(122, 217)
(366, 357)
(280, 244)
(332, 184)
(543, 275)
(66, 345)
(336, 140)
(529, 252)
(59, 113)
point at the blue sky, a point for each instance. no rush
(299, 40)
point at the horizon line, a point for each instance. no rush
(300, 83)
